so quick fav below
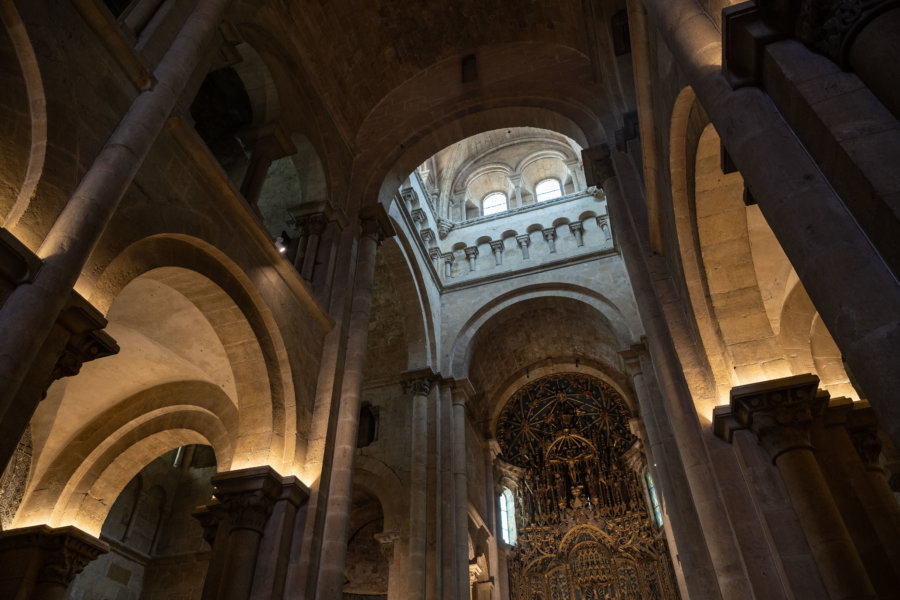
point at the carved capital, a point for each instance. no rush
(471, 252)
(444, 227)
(435, 253)
(597, 164)
(410, 196)
(577, 226)
(497, 246)
(831, 26)
(428, 236)
(524, 240)
(863, 430)
(387, 540)
(549, 233)
(317, 223)
(247, 496)
(210, 517)
(63, 552)
(448, 258)
(374, 223)
(779, 412)
(418, 216)
(418, 383)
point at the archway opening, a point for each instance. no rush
(156, 546)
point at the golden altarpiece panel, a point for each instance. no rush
(583, 518)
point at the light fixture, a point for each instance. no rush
(282, 242)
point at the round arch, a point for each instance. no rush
(458, 349)
(80, 485)
(206, 276)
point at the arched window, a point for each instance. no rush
(654, 500)
(493, 203)
(548, 189)
(508, 517)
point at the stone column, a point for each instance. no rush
(550, 238)
(317, 223)
(801, 206)
(30, 311)
(603, 224)
(40, 562)
(497, 248)
(418, 385)
(577, 230)
(875, 494)
(269, 147)
(435, 254)
(780, 413)
(462, 391)
(447, 498)
(577, 174)
(516, 180)
(471, 256)
(448, 265)
(719, 559)
(524, 241)
(246, 497)
(375, 226)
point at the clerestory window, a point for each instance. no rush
(493, 203)
(547, 189)
(508, 517)
(654, 500)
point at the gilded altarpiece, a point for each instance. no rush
(585, 530)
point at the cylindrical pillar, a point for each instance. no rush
(460, 492)
(680, 414)
(330, 582)
(418, 386)
(448, 503)
(780, 413)
(31, 310)
(814, 227)
(317, 225)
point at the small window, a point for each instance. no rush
(548, 189)
(493, 204)
(508, 517)
(654, 500)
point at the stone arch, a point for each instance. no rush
(382, 482)
(260, 84)
(458, 349)
(430, 122)
(207, 277)
(411, 288)
(26, 90)
(79, 486)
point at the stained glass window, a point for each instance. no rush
(508, 517)
(654, 500)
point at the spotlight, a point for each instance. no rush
(282, 242)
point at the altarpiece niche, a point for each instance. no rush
(584, 525)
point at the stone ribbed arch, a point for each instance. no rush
(28, 145)
(244, 324)
(459, 349)
(85, 478)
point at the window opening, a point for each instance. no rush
(654, 500)
(508, 517)
(548, 189)
(493, 204)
